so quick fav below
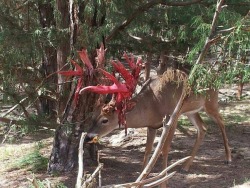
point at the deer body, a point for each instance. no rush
(157, 99)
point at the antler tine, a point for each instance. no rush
(122, 70)
(117, 87)
(85, 59)
(113, 99)
(130, 62)
(100, 56)
(109, 76)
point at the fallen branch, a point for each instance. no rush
(92, 176)
(159, 181)
(90, 179)
(15, 106)
(150, 182)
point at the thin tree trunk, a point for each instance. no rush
(241, 83)
(240, 88)
(147, 65)
(73, 115)
(48, 63)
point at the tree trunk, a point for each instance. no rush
(240, 89)
(48, 63)
(73, 117)
(241, 82)
(162, 63)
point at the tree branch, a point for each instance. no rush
(209, 39)
(144, 8)
(180, 4)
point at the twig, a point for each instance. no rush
(80, 161)
(209, 40)
(34, 182)
(92, 176)
(7, 132)
(48, 183)
(14, 107)
(167, 169)
(151, 181)
(100, 172)
(159, 181)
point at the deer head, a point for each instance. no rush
(113, 113)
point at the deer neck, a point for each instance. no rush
(141, 115)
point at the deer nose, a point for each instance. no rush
(91, 138)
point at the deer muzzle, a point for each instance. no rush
(91, 138)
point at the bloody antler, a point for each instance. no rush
(127, 88)
(79, 72)
(123, 90)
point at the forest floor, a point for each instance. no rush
(27, 157)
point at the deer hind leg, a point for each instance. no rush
(212, 111)
(149, 145)
(201, 131)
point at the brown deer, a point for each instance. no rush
(157, 98)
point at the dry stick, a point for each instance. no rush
(174, 117)
(159, 181)
(34, 182)
(209, 40)
(163, 173)
(80, 161)
(100, 172)
(92, 176)
(153, 180)
(14, 107)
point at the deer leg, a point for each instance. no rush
(149, 145)
(201, 131)
(166, 149)
(213, 112)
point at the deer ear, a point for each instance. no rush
(130, 105)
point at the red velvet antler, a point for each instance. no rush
(79, 72)
(117, 87)
(124, 90)
(85, 59)
(100, 55)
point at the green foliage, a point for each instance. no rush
(44, 184)
(34, 160)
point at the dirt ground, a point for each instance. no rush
(122, 158)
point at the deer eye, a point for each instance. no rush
(105, 121)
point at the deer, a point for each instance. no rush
(157, 99)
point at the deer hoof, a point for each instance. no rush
(183, 171)
(227, 162)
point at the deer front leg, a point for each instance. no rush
(149, 145)
(201, 131)
(166, 149)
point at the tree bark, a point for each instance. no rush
(73, 116)
(60, 158)
(147, 65)
(48, 62)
